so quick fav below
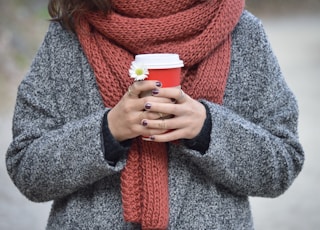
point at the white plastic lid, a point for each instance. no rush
(158, 61)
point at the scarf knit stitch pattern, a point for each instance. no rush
(200, 32)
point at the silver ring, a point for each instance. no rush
(182, 95)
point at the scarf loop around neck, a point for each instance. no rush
(200, 32)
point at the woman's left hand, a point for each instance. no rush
(188, 116)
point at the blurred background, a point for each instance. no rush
(293, 28)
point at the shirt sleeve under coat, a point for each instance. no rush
(254, 148)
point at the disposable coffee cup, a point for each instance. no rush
(163, 67)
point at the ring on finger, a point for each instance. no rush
(130, 93)
(163, 124)
(181, 96)
(160, 115)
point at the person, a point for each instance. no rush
(84, 138)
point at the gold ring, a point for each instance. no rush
(163, 124)
(130, 92)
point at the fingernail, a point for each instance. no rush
(155, 91)
(158, 84)
(144, 123)
(147, 106)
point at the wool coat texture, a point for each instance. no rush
(57, 152)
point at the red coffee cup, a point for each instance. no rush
(163, 67)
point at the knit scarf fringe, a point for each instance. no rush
(200, 32)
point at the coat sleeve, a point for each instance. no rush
(254, 147)
(57, 148)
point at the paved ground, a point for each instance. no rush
(296, 42)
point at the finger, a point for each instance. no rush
(134, 125)
(132, 103)
(157, 99)
(164, 108)
(146, 115)
(169, 136)
(175, 93)
(141, 86)
(165, 124)
(161, 124)
(147, 133)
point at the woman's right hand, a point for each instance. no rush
(124, 120)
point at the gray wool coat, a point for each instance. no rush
(56, 153)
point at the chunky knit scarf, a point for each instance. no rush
(200, 32)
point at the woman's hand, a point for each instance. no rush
(188, 116)
(125, 119)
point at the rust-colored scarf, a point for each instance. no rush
(200, 32)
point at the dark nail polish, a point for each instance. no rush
(147, 106)
(152, 138)
(158, 84)
(144, 123)
(155, 91)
